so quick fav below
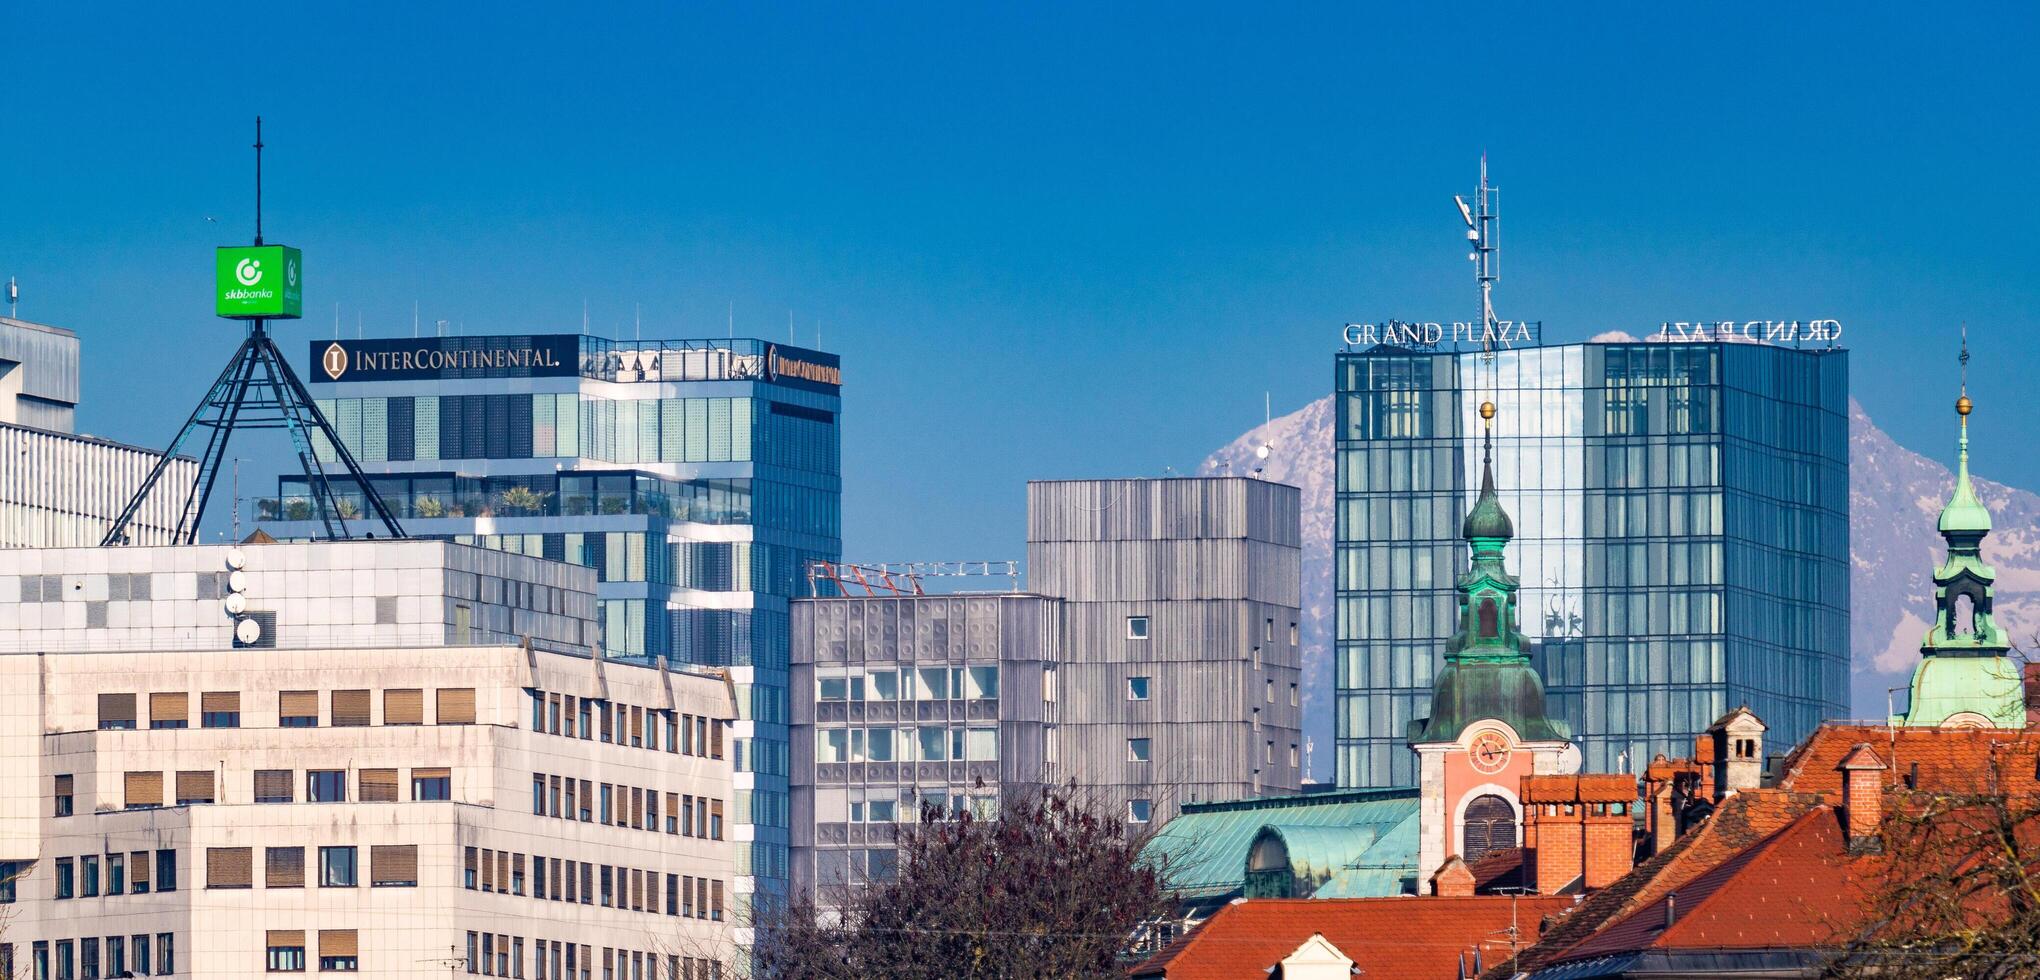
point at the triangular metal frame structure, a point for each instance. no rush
(258, 390)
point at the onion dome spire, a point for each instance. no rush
(1487, 521)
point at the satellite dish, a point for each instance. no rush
(236, 560)
(237, 581)
(1569, 760)
(236, 604)
(247, 631)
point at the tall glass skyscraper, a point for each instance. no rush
(697, 477)
(1682, 515)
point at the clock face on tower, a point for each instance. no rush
(1489, 751)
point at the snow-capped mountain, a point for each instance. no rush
(1895, 497)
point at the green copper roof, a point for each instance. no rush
(1487, 672)
(1964, 513)
(1487, 519)
(1205, 848)
(1943, 687)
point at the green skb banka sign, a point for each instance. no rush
(259, 282)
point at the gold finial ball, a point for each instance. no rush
(1962, 405)
(1487, 410)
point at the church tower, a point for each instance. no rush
(1965, 677)
(1488, 726)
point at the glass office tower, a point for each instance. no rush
(697, 477)
(1682, 516)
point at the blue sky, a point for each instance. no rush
(1049, 241)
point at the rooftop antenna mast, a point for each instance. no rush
(1483, 235)
(258, 390)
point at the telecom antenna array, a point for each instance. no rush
(1483, 234)
(258, 390)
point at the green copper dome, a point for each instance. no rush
(1487, 519)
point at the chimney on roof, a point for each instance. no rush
(1738, 743)
(1862, 798)
(1453, 880)
(1577, 831)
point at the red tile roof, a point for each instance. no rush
(1771, 868)
(1947, 760)
(1407, 938)
(1498, 869)
(1799, 887)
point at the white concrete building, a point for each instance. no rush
(387, 783)
(57, 489)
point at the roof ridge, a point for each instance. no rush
(1727, 872)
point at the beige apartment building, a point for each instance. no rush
(448, 800)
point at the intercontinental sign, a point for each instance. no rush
(412, 359)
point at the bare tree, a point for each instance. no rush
(1052, 888)
(1958, 893)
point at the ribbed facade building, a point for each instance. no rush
(419, 766)
(1152, 660)
(57, 489)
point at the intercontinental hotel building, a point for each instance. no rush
(1682, 536)
(697, 478)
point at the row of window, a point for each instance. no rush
(619, 724)
(579, 882)
(295, 709)
(145, 790)
(928, 743)
(390, 866)
(911, 684)
(495, 955)
(617, 805)
(527, 426)
(125, 956)
(124, 874)
(339, 950)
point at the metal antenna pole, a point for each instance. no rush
(258, 182)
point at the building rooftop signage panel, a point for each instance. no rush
(435, 358)
(1432, 335)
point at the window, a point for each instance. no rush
(378, 785)
(403, 706)
(166, 870)
(194, 787)
(286, 950)
(1136, 627)
(220, 709)
(283, 867)
(432, 784)
(228, 867)
(1268, 691)
(1292, 634)
(298, 709)
(339, 950)
(1268, 631)
(138, 872)
(139, 945)
(166, 954)
(982, 683)
(116, 712)
(169, 710)
(350, 709)
(144, 790)
(1139, 811)
(1137, 688)
(982, 745)
(275, 786)
(88, 875)
(116, 874)
(326, 785)
(63, 794)
(66, 960)
(1292, 695)
(66, 879)
(456, 706)
(10, 875)
(336, 867)
(1136, 750)
(1292, 755)
(715, 816)
(88, 959)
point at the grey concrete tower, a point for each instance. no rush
(1179, 672)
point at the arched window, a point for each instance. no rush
(1490, 826)
(1489, 628)
(1964, 620)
